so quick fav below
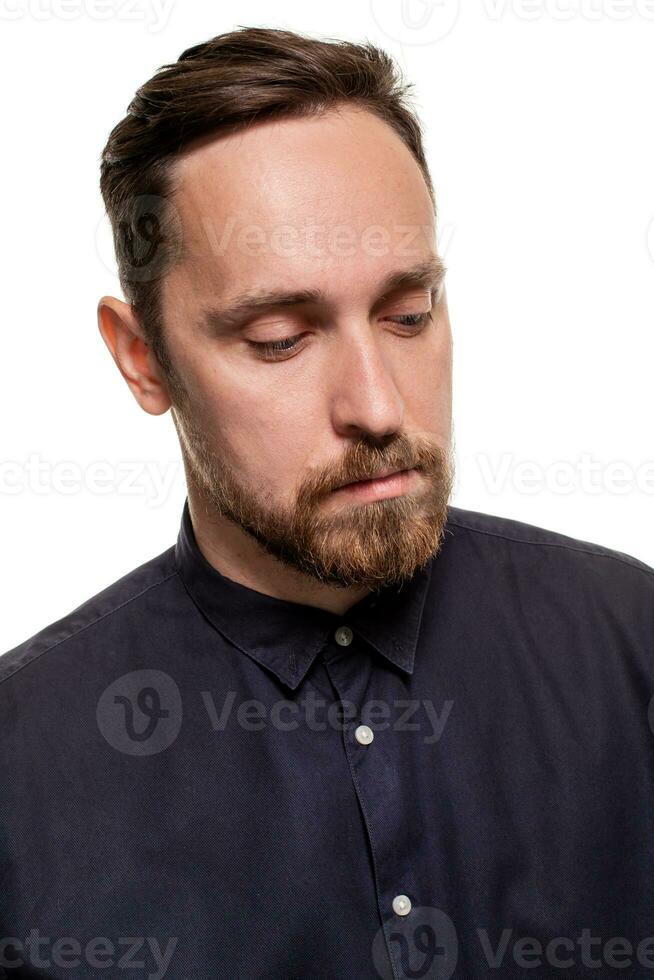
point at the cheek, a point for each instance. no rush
(429, 386)
(269, 436)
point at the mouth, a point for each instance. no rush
(389, 471)
(393, 483)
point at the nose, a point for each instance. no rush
(365, 397)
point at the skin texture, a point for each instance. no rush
(293, 205)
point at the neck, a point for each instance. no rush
(240, 558)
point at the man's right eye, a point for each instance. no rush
(273, 348)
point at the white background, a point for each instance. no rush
(538, 121)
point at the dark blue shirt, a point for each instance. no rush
(453, 779)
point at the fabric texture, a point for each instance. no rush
(198, 780)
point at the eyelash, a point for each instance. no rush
(271, 346)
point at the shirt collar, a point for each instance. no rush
(285, 636)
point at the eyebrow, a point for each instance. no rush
(216, 320)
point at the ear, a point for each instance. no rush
(122, 333)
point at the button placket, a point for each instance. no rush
(344, 636)
(364, 735)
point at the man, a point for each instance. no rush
(341, 728)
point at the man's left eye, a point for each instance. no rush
(411, 319)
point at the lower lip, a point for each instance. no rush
(385, 486)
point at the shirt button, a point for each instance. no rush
(343, 636)
(364, 734)
(401, 905)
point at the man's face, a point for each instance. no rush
(324, 211)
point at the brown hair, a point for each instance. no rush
(219, 86)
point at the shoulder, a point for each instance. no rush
(519, 537)
(524, 559)
(92, 624)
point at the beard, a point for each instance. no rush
(372, 544)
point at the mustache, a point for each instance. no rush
(365, 463)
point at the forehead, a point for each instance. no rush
(288, 198)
